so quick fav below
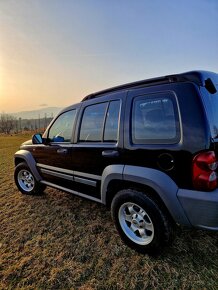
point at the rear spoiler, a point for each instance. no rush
(206, 79)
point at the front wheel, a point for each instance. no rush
(140, 221)
(26, 181)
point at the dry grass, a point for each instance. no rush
(59, 241)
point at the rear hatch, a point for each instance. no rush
(205, 164)
(209, 94)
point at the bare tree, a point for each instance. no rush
(7, 123)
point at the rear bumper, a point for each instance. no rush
(201, 208)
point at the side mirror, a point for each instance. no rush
(37, 139)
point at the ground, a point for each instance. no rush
(59, 241)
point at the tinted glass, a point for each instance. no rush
(61, 130)
(112, 120)
(92, 123)
(154, 120)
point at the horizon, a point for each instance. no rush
(54, 53)
(48, 112)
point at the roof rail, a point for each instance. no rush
(160, 80)
(197, 77)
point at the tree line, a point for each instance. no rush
(10, 124)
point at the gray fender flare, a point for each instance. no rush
(111, 172)
(28, 158)
(163, 185)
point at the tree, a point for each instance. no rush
(7, 123)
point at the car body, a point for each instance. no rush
(148, 149)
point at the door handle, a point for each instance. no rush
(62, 151)
(110, 153)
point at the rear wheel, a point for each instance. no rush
(140, 221)
(26, 181)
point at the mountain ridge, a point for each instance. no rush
(35, 114)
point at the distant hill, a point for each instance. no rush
(48, 111)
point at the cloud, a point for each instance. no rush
(43, 105)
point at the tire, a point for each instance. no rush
(25, 180)
(141, 222)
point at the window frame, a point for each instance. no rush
(101, 142)
(73, 127)
(118, 122)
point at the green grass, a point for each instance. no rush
(59, 241)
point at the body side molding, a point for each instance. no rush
(68, 171)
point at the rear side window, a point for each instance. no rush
(155, 119)
(92, 123)
(100, 122)
(112, 120)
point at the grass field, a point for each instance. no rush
(59, 241)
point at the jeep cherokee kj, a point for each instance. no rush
(147, 149)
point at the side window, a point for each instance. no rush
(112, 121)
(92, 125)
(61, 130)
(155, 120)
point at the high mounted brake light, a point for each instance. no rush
(203, 175)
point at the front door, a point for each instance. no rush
(54, 157)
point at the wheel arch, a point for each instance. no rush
(26, 156)
(18, 160)
(116, 185)
(154, 183)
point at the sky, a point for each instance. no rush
(55, 52)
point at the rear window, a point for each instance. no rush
(155, 119)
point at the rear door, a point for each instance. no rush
(98, 141)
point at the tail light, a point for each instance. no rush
(204, 176)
